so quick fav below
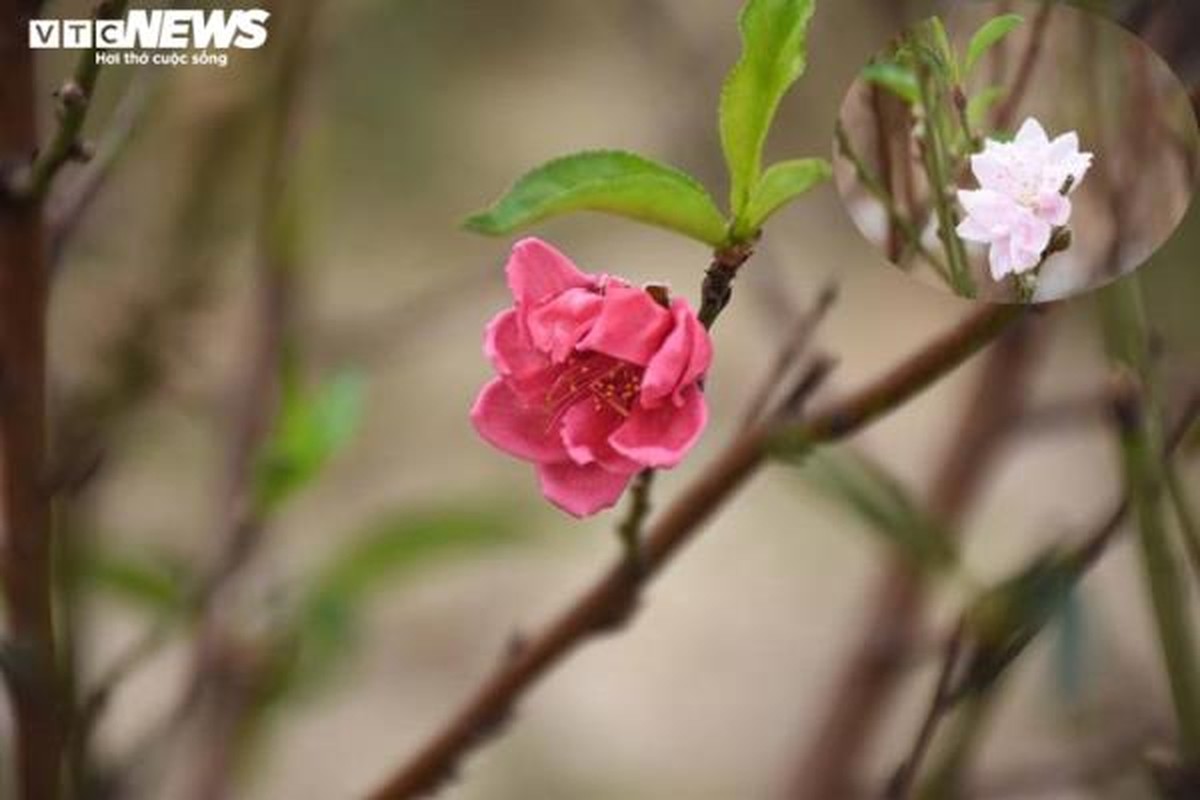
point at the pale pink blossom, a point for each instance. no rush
(597, 380)
(1020, 200)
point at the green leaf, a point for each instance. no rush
(988, 35)
(312, 428)
(945, 51)
(780, 184)
(885, 506)
(774, 52)
(157, 583)
(610, 181)
(896, 78)
(1004, 619)
(979, 106)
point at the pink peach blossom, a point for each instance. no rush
(1020, 200)
(596, 380)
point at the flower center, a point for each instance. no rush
(606, 381)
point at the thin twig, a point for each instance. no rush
(75, 99)
(940, 703)
(797, 342)
(67, 208)
(870, 181)
(608, 603)
(630, 528)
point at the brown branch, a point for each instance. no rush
(867, 683)
(33, 681)
(939, 705)
(609, 602)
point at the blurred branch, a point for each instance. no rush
(870, 181)
(74, 100)
(797, 341)
(1185, 513)
(1139, 427)
(221, 679)
(870, 676)
(25, 522)
(609, 603)
(947, 695)
(1003, 117)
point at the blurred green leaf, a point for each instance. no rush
(774, 53)
(979, 106)
(1006, 618)
(781, 184)
(1070, 643)
(381, 557)
(988, 36)
(159, 584)
(896, 78)
(312, 427)
(928, 48)
(609, 181)
(885, 506)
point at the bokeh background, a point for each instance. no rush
(415, 114)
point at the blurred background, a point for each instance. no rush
(405, 117)
(1096, 80)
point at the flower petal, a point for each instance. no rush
(585, 433)
(1053, 208)
(662, 436)
(1000, 259)
(684, 357)
(556, 326)
(1032, 134)
(581, 490)
(631, 326)
(508, 349)
(509, 424)
(537, 272)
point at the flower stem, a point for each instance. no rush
(630, 529)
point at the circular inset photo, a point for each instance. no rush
(1016, 152)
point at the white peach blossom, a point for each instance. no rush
(1021, 197)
